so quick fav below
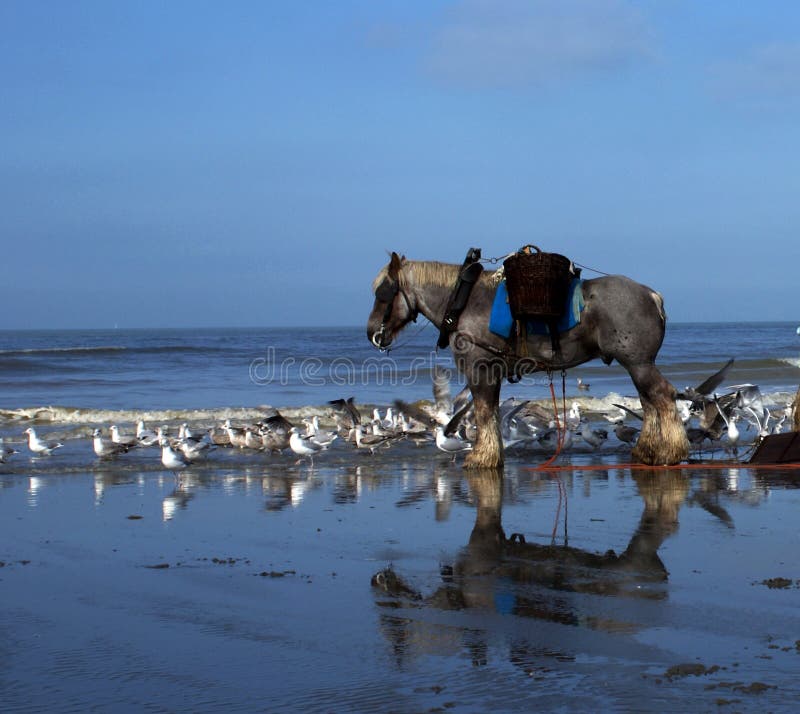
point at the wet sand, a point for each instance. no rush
(392, 583)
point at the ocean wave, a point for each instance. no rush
(81, 415)
(592, 405)
(109, 349)
(793, 361)
(50, 350)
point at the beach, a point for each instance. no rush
(249, 585)
(393, 582)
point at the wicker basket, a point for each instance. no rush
(537, 283)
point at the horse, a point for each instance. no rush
(622, 320)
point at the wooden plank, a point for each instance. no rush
(778, 449)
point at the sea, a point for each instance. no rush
(92, 376)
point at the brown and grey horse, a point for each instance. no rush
(622, 320)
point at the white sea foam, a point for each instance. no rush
(794, 361)
(75, 415)
(592, 406)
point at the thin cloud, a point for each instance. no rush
(770, 72)
(487, 43)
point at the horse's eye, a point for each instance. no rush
(386, 291)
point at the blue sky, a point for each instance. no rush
(250, 163)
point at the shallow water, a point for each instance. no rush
(267, 602)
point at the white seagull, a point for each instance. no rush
(450, 444)
(118, 438)
(171, 459)
(39, 447)
(106, 447)
(303, 445)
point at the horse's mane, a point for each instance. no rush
(427, 272)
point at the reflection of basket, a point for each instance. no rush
(537, 283)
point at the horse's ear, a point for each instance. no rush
(394, 265)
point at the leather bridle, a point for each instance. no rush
(386, 292)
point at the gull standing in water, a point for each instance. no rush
(39, 447)
(303, 445)
(6, 452)
(626, 434)
(173, 460)
(105, 448)
(450, 444)
(593, 437)
(371, 441)
(118, 438)
(145, 436)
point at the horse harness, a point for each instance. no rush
(471, 270)
(386, 292)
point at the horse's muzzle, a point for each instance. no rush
(379, 340)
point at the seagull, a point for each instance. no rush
(193, 448)
(593, 437)
(626, 434)
(237, 436)
(450, 444)
(117, 438)
(303, 445)
(615, 418)
(173, 460)
(698, 394)
(39, 447)
(682, 405)
(549, 440)
(146, 437)
(6, 452)
(371, 441)
(345, 413)
(106, 448)
(321, 438)
(573, 419)
(697, 435)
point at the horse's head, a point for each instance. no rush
(392, 309)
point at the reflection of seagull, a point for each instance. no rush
(37, 446)
(450, 444)
(105, 448)
(6, 452)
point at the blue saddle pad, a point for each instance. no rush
(501, 323)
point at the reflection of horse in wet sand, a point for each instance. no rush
(622, 320)
(506, 574)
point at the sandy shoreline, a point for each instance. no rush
(248, 588)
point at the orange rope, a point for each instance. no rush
(561, 434)
(641, 467)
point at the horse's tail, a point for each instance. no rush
(659, 301)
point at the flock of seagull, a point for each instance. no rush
(448, 423)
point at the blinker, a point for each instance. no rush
(386, 291)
